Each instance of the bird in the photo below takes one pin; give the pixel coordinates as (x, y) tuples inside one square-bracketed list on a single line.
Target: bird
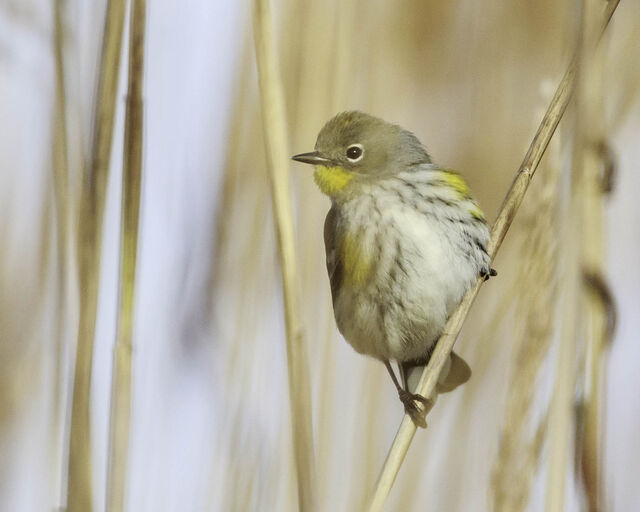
[(404, 240)]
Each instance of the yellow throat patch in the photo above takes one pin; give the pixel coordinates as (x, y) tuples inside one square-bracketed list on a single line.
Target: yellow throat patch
[(331, 180)]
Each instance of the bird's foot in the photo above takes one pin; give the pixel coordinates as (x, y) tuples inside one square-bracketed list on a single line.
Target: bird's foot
[(492, 272), (415, 411)]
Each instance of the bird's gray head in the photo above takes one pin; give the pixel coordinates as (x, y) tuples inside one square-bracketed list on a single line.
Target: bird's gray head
[(354, 147)]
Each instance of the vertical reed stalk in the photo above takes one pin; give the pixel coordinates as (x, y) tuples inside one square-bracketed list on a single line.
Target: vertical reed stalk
[(64, 251), (131, 190), (599, 333), (585, 163), (535, 303), (561, 408), (79, 485), (226, 197), (507, 211), (598, 326), (275, 133)]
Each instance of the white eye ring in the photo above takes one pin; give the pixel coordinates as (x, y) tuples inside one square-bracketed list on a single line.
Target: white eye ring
[(355, 153)]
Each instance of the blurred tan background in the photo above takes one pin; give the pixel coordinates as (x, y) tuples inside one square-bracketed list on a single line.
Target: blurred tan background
[(210, 427)]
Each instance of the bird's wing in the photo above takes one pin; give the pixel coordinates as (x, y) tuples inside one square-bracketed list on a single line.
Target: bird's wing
[(334, 263)]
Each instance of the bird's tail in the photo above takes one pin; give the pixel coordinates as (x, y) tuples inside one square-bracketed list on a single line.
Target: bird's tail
[(454, 373)]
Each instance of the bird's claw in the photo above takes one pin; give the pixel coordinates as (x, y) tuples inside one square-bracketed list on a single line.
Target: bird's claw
[(486, 274), (489, 273), (416, 412)]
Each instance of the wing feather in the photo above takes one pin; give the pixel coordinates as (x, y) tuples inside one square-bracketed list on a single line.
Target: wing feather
[(334, 262)]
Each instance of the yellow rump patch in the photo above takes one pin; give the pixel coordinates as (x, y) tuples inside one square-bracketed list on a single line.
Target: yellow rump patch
[(332, 180), (357, 263)]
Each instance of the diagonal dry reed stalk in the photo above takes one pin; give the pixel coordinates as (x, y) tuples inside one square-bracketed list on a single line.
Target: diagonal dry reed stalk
[(131, 191), (275, 133), (79, 486), (503, 221)]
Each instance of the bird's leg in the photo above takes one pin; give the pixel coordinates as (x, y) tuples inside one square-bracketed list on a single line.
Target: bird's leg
[(409, 400)]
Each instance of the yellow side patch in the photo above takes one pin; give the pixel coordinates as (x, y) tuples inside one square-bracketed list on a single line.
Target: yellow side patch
[(357, 263), (332, 180), (456, 182), (476, 212)]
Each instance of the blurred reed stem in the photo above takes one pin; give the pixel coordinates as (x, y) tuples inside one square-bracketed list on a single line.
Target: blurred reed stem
[(599, 171), (275, 133), (131, 190), (63, 255), (226, 198), (535, 303), (79, 485), (452, 328), (629, 78), (589, 100), (575, 242)]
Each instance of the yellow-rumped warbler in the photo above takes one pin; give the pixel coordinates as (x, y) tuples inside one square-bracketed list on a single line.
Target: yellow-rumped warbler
[(404, 241)]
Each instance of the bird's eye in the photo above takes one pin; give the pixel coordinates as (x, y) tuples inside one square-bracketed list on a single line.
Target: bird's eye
[(355, 152)]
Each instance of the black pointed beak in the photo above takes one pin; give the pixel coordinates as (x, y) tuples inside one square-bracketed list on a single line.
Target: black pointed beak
[(313, 158)]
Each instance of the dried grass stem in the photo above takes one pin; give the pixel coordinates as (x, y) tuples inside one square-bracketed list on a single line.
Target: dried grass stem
[(275, 133), (79, 486), (131, 191)]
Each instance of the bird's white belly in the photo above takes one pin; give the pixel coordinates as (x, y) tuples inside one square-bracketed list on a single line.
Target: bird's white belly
[(418, 276)]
